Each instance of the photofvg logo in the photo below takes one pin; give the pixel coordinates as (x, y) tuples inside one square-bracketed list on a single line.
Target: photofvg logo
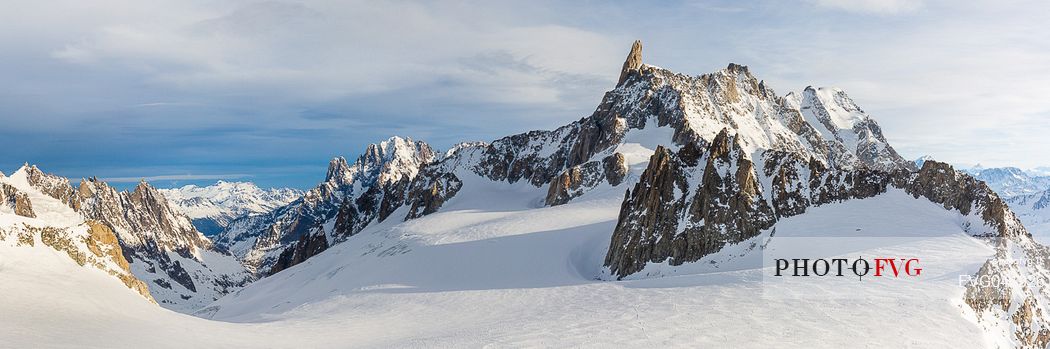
[(859, 267), (845, 267)]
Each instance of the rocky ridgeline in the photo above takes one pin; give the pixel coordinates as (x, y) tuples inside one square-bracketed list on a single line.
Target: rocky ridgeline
[(703, 192), (738, 159), (692, 203), (182, 268), (369, 189), (570, 160)]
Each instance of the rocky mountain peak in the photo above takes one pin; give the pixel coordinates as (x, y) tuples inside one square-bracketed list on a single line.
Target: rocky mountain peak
[(338, 171), (143, 188), (921, 160), (369, 189), (389, 160), (633, 62), (741, 73), (834, 97), (392, 160), (49, 184)]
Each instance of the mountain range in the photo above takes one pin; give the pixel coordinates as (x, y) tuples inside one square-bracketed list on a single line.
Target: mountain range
[(644, 218), (213, 207), (158, 245)]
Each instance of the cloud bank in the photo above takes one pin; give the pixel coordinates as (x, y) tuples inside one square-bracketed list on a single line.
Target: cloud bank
[(275, 88)]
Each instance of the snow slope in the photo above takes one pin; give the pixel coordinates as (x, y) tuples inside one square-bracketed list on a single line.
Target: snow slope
[(495, 268), (488, 263), (158, 245), (518, 275)]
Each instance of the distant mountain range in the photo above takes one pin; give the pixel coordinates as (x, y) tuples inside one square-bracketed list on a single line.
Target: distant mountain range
[(1011, 181), (213, 207)]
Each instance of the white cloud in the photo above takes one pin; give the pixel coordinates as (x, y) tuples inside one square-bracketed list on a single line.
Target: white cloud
[(247, 81), (183, 177), (872, 6), (323, 50)]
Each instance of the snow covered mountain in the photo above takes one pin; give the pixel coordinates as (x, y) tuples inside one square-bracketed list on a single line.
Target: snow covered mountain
[(921, 160), (213, 207), (1034, 210), (730, 160), (181, 267), (290, 234), (824, 124), (575, 231), (1011, 181), (40, 228), (1039, 171)]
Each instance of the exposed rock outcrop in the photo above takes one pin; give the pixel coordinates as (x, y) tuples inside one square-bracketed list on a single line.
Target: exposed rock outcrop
[(681, 211), (649, 215), (576, 180), (16, 200), (955, 190), (632, 63), (427, 196), (307, 246), (679, 214)]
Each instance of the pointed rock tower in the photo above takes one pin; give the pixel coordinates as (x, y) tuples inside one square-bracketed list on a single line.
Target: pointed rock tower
[(633, 62)]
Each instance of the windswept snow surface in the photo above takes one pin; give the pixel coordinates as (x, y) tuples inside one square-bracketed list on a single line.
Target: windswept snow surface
[(494, 267)]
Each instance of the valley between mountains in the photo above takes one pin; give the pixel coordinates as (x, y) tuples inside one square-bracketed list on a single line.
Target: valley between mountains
[(646, 223)]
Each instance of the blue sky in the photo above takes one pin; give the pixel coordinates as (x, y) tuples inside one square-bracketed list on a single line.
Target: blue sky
[(194, 91)]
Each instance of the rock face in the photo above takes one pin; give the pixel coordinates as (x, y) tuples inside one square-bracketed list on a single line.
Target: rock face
[(16, 200), (690, 204), (741, 158), (576, 180), (633, 61), (87, 244), (307, 246), (161, 246), (955, 190)]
